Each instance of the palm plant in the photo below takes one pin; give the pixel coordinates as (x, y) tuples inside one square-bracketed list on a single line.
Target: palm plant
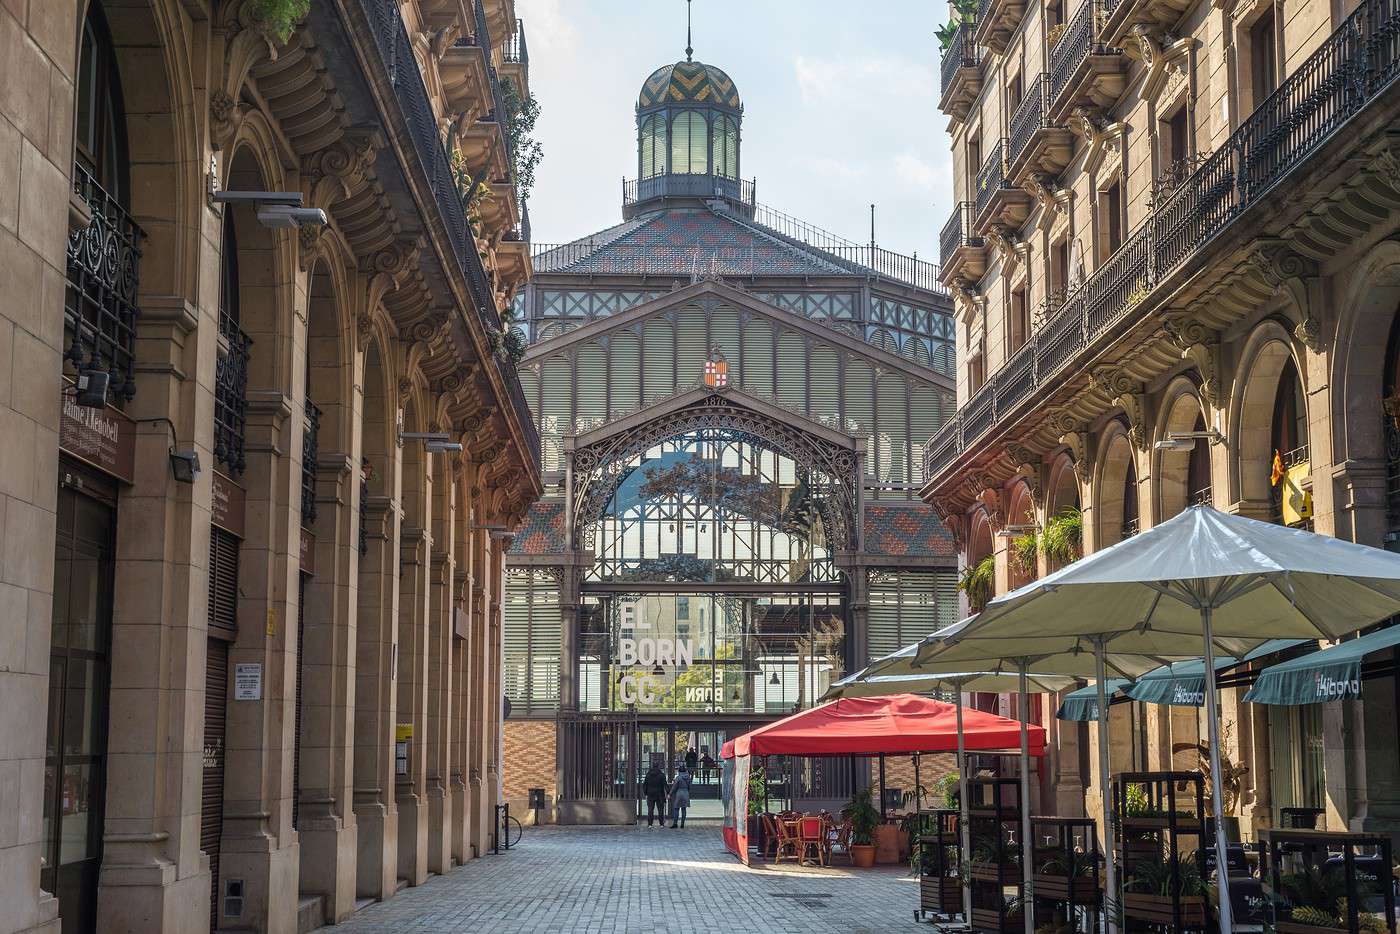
[(860, 811), (978, 581)]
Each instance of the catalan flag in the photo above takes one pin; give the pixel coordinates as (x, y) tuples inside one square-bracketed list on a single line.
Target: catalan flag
[(1277, 473)]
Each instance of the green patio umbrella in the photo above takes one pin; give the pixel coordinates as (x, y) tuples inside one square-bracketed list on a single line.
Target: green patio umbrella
[(1183, 684), (1231, 582), (1326, 675), (1083, 705)]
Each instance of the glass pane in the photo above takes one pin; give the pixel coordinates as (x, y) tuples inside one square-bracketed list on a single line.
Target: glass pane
[(84, 604), (1311, 762), (699, 164), (81, 709), (79, 838), (62, 580), (56, 672), (680, 144), (46, 852)]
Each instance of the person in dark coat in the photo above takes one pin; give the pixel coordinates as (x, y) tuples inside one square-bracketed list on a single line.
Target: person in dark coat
[(654, 787), (680, 797), (691, 761)]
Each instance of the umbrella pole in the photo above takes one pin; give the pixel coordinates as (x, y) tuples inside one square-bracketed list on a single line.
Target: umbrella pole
[(882, 787), (1217, 797), (918, 791), (1110, 900), (1027, 894), (965, 854)]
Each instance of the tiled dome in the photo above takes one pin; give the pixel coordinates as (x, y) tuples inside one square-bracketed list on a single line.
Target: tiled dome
[(689, 82)]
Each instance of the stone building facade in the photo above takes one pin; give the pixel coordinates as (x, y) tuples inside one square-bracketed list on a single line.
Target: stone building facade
[(1174, 258), (250, 637)]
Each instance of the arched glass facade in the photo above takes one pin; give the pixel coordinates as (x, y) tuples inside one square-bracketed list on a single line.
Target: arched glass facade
[(689, 140)]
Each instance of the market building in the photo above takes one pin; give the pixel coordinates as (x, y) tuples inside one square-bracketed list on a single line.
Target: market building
[(1174, 262), (732, 406), (261, 453)]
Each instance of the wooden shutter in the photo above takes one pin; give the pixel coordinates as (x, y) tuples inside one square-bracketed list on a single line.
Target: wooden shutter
[(223, 582)]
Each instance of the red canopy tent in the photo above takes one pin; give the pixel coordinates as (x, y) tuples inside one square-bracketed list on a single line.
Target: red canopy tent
[(898, 724)]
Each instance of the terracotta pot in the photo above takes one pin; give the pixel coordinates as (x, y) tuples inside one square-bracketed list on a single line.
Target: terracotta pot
[(862, 855)]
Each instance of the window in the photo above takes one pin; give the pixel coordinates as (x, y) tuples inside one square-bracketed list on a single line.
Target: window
[(725, 147), (652, 147), (1263, 56), (1111, 206), (689, 141), (1177, 134), (1018, 321), (974, 164), (1059, 267), (99, 138), (977, 367), (1013, 94)]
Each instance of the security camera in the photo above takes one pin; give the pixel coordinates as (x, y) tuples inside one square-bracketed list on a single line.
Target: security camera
[(283, 216)]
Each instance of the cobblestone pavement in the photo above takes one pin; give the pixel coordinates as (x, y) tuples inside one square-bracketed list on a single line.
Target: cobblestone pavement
[(611, 880)]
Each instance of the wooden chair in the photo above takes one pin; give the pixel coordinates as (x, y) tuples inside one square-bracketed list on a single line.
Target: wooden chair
[(841, 843), (787, 843), (770, 835), (812, 835)]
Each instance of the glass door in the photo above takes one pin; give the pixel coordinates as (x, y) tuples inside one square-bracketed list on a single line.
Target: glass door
[(74, 774)]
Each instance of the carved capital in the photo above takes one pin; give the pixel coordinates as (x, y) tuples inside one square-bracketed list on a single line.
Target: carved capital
[(1127, 394), (1085, 123), (1274, 262), (1201, 345), (1309, 333), (364, 330), (1044, 190), (1005, 241)]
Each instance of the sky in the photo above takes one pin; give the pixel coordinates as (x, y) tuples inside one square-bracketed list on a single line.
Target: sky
[(840, 108)]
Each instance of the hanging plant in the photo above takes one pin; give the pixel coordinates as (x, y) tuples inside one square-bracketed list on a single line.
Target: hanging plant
[(1025, 551), (524, 150), (978, 582), (279, 17), (1063, 536)]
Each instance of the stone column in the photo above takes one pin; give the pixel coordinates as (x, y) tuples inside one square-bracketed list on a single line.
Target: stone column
[(259, 845), (376, 694), (410, 790), (439, 671), (480, 828), (494, 666), (326, 825)]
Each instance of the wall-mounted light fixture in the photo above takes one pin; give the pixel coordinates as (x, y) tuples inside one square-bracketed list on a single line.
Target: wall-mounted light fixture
[(183, 464), (277, 210), (434, 442), (1186, 440), (1022, 528)]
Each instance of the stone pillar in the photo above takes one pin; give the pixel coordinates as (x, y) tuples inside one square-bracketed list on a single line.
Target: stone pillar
[(259, 845), (439, 671), (495, 668), (376, 694), (326, 824), (478, 803), (410, 790)]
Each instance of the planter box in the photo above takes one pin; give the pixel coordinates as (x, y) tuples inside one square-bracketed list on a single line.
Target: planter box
[(888, 839), (940, 894), (987, 919), (1293, 927), (1183, 824), (1058, 887), (996, 872), (1158, 908)]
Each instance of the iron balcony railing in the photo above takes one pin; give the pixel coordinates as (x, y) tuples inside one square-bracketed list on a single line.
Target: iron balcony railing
[(956, 233), (1202, 497), (961, 53), (514, 49), (1074, 46), (231, 397), (396, 53), (1028, 119), (635, 190), (991, 178), (1351, 67), (99, 309), (309, 451)]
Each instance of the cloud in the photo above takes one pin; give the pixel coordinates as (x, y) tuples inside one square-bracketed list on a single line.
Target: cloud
[(843, 80), (547, 26), (919, 172)]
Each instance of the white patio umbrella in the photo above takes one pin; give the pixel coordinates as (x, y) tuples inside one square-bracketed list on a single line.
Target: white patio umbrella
[(1019, 679), (1231, 582)]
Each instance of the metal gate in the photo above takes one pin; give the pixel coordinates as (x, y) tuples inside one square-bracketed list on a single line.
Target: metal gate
[(211, 815), (598, 759)]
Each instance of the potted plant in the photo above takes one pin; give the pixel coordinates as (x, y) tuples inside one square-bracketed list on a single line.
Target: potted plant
[(758, 805), (860, 811), (1151, 889)]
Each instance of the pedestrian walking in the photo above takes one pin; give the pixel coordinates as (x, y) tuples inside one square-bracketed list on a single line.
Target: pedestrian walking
[(654, 787), (680, 796)]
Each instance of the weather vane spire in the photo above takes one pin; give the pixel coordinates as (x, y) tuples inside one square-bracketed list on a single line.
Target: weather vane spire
[(688, 50)]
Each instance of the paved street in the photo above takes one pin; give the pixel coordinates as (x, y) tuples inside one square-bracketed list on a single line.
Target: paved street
[(604, 879)]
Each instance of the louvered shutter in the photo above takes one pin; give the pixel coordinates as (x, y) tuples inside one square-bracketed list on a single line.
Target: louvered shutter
[(592, 405), (223, 582), (692, 349), (556, 402), (792, 370), (903, 609), (891, 420), (724, 334), (757, 363), (924, 422), (860, 404), (211, 811), (826, 387), (624, 372), (659, 359)]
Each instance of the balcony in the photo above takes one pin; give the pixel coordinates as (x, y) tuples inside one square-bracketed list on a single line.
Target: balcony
[(309, 450), (1084, 71), (962, 255), (1351, 69), (99, 308), (400, 65), (1035, 146), (962, 76), (640, 191), (998, 202), (1118, 18), (515, 61), (997, 21)]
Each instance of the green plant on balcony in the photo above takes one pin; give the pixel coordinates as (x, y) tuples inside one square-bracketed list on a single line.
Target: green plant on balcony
[(1155, 877), (279, 17), (977, 582), (964, 14), (1053, 34), (1025, 551), (1063, 535), (524, 150)]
